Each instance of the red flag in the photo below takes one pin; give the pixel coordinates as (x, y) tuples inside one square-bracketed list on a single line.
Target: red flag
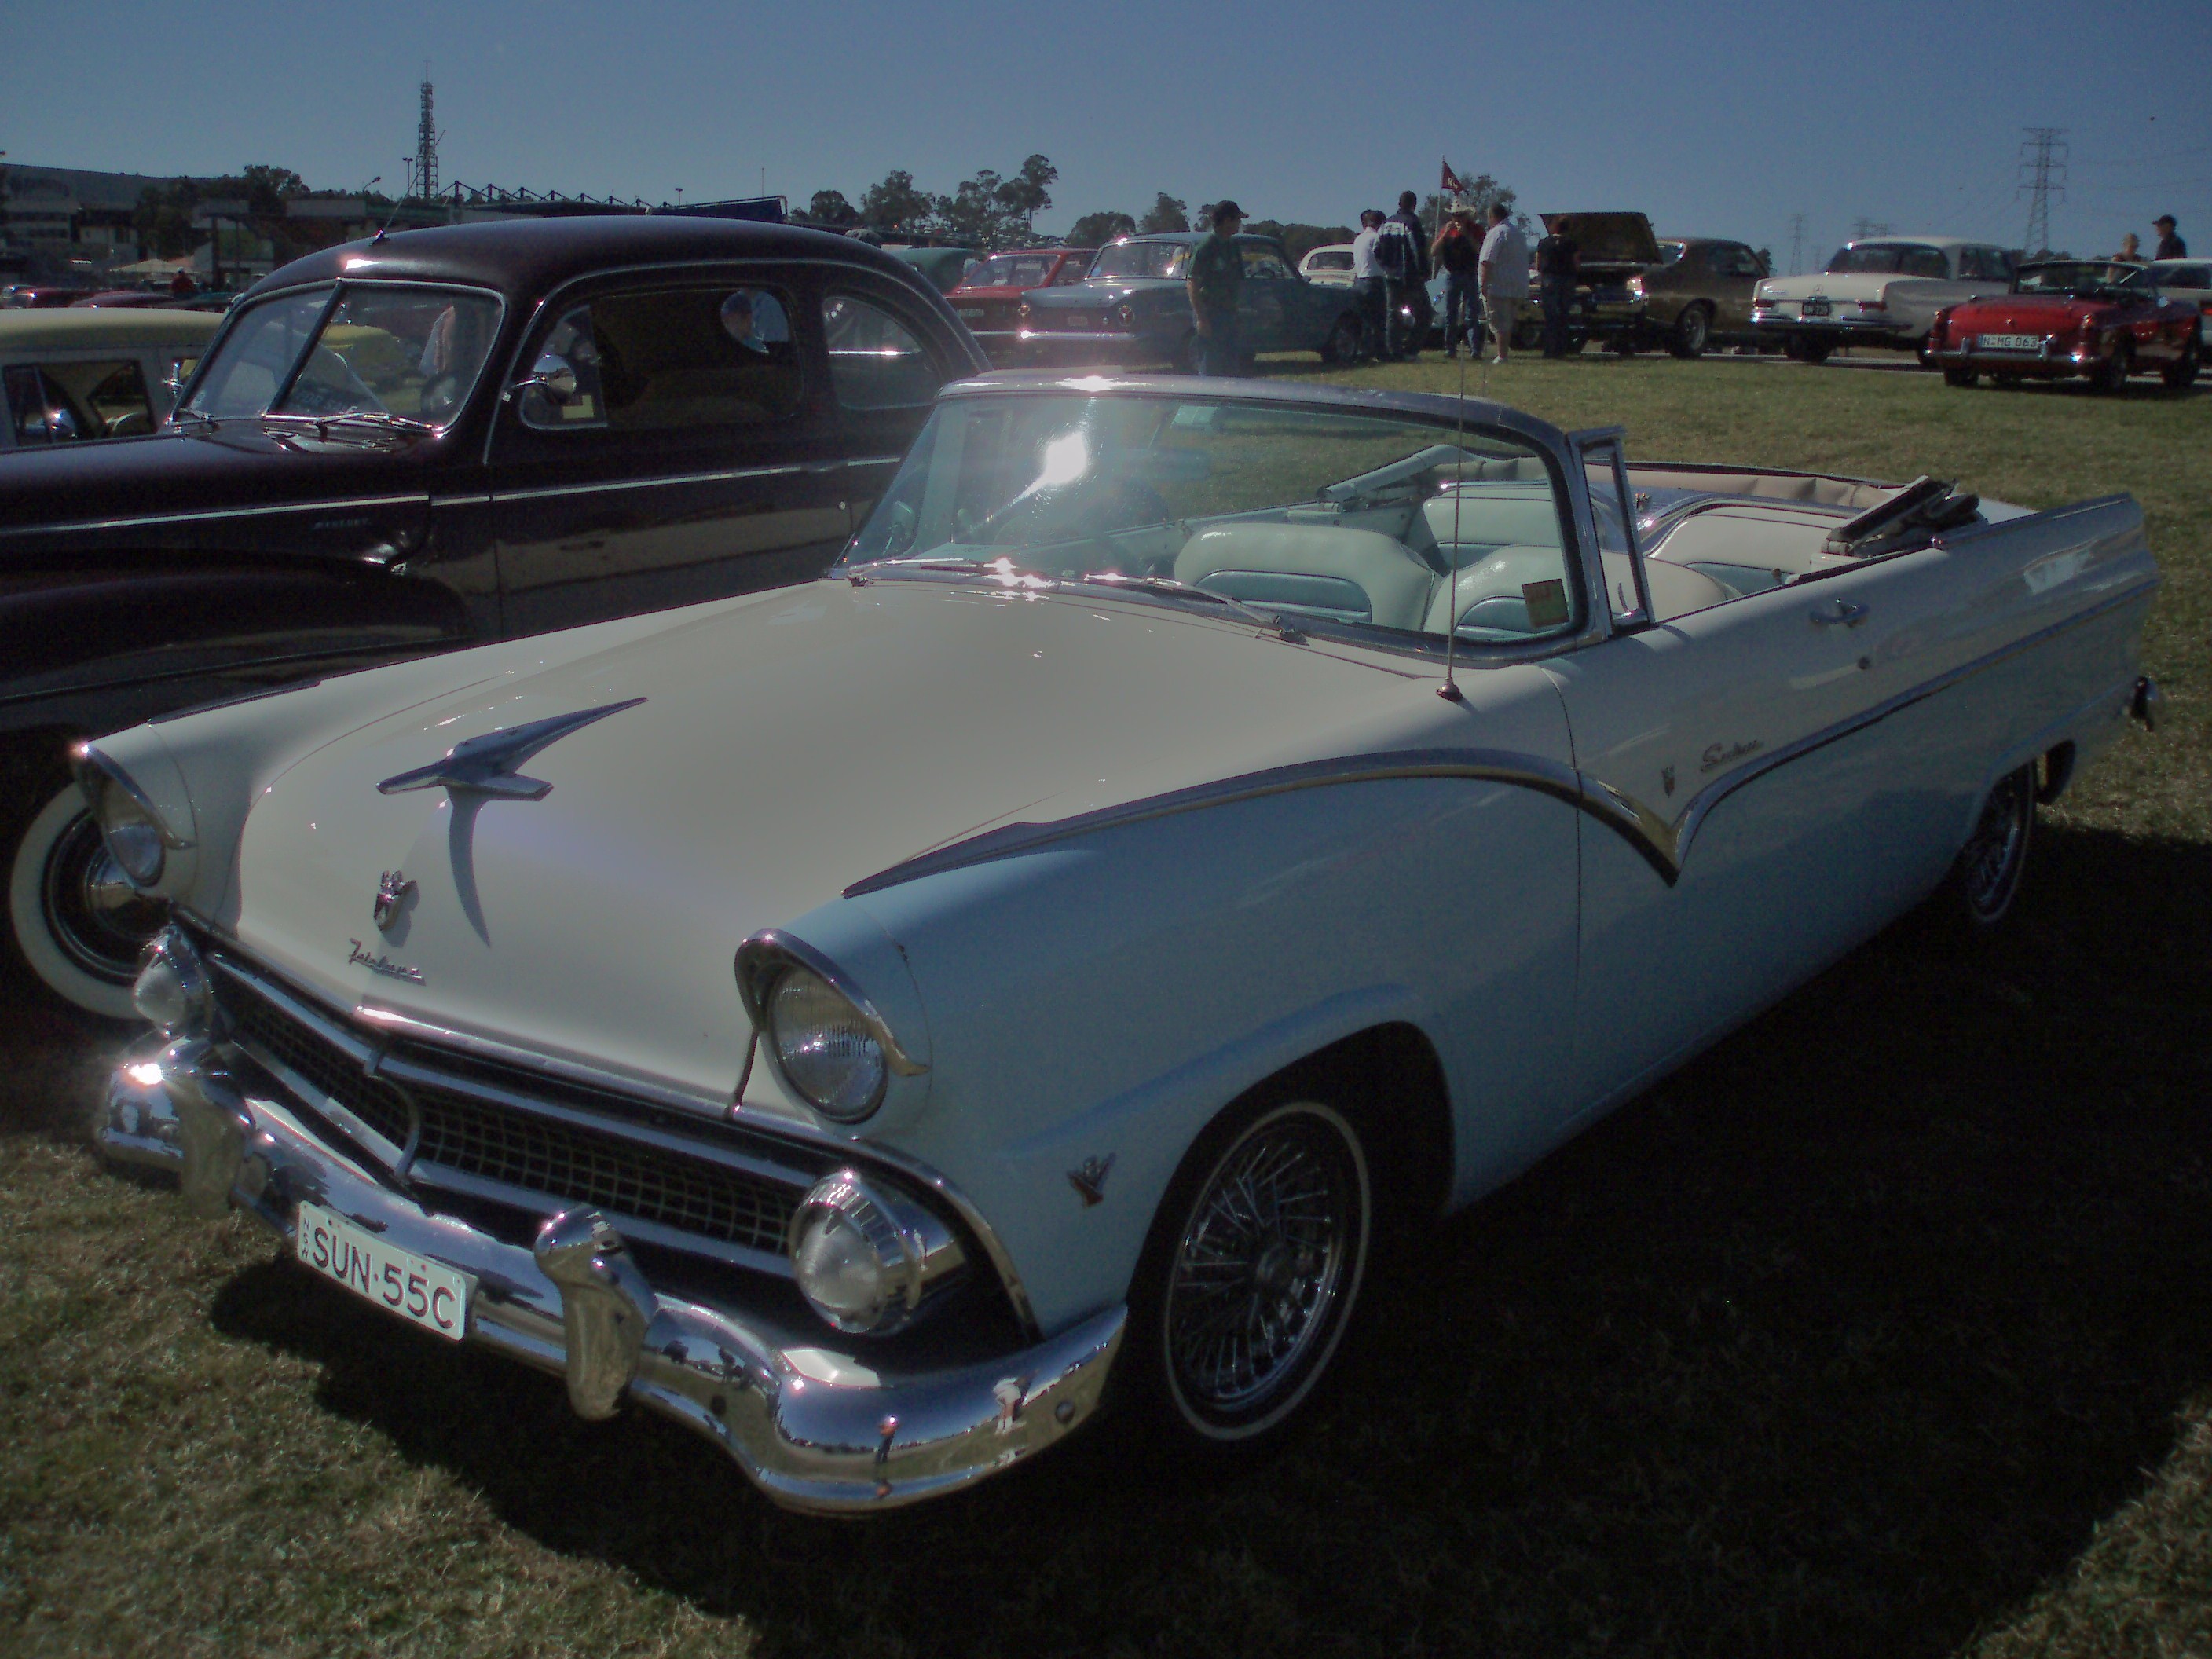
[(1451, 185)]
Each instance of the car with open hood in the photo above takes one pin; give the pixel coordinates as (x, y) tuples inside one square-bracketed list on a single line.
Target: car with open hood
[(1882, 291), (885, 1023), (2071, 319), (989, 297), (1134, 309), (1613, 250), (427, 440)]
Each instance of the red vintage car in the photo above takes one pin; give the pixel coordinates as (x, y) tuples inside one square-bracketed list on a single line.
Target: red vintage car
[(986, 300), (2068, 317)]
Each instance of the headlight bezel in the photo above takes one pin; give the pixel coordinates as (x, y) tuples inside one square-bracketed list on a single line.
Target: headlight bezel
[(119, 807), (916, 1256), (762, 963)]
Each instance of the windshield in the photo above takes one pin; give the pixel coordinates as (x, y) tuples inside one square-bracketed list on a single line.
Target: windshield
[(2081, 276), (1011, 270), (1670, 252), (1141, 259), (407, 352), (1317, 514), (1889, 258)]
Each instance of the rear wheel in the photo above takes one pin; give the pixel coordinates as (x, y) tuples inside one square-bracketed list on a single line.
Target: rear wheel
[(1960, 377), (74, 925), (1249, 1280), (2184, 373), (1991, 865), (1808, 348), (1693, 331), (2111, 375)]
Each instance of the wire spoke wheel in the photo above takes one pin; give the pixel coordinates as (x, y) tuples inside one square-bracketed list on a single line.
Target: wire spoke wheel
[(1992, 862), (1264, 1270)]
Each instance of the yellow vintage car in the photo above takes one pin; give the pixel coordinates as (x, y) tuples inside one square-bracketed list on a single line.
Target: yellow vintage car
[(71, 374)]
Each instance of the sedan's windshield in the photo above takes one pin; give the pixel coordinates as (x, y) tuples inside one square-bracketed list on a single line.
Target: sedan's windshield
[(1011, 270), (1315, 513), (405, 353), (1141, 259), (1889, 258)]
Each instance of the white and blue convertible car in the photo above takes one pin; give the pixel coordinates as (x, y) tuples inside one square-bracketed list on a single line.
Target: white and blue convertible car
[(884, 1022)]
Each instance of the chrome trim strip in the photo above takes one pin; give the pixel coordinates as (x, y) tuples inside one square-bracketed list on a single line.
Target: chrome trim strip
[(421, 499), (1663, 844), (757, 959), (566, 1071), (649, 483)]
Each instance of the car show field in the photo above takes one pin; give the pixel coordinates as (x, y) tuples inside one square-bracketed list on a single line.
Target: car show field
[(1883, 1327)]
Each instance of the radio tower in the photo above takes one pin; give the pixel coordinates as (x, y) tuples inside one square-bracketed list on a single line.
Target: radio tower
[(426, 145), (2042, 168)]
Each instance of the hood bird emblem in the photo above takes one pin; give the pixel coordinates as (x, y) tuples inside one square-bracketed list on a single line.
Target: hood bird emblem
[(392, 887), (1090, 1179), (485, 765)]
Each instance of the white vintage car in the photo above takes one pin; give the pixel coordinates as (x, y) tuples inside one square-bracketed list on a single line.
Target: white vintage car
[(1885, 291), (875, 1022)]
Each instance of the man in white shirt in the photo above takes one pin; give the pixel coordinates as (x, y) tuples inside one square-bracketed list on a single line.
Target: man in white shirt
[(1503, 272), (1367, 286)]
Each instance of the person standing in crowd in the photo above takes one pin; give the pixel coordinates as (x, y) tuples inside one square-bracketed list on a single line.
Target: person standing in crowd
[(1216, 284), (1559, 262), (1456, 251), (2130, 250), (1404, 256), (1504, 274), (2170, 246), (1367, 285)]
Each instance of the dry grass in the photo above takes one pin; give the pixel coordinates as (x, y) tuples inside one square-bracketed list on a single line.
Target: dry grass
[(1885, 1328)]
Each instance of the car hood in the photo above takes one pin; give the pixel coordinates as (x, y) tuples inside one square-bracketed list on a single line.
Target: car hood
[(787, 746), (1609, 238), (179, 469)]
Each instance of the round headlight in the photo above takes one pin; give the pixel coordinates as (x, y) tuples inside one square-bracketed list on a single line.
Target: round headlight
[(173, 990), (136, 837), (823, 1045), (865, 1261)]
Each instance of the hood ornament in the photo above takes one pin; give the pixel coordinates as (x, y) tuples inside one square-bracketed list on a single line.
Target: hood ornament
[(485, 765), (392, 887)]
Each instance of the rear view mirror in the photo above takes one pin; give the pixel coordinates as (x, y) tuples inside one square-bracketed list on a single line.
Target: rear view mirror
[(553, 378)]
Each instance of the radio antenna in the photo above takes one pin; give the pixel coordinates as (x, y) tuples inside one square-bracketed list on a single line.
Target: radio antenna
[(1449, 690), (405, 191)]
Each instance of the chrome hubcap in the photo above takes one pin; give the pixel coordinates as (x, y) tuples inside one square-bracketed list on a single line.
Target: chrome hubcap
[(1262, 1264), (91, 911), (1991, 859)]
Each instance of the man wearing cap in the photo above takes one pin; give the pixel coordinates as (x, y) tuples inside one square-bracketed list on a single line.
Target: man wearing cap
[(2170, 246), (1216, 284)]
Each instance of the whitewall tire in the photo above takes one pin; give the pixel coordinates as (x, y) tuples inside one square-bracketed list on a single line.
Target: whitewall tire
[(73, 920)]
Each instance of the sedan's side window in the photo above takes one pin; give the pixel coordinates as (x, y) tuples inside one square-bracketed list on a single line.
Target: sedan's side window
[(875, 361), (51, 405), (668, 359)]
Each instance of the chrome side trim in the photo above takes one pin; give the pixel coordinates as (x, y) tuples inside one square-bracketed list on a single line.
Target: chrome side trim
[(1662, 843), (145, 518), (611, 485)]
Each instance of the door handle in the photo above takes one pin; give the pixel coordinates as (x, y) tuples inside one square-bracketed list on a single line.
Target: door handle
[(1840, 613)]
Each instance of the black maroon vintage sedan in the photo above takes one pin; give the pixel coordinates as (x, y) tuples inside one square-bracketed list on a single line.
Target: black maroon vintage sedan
[(433, 439)]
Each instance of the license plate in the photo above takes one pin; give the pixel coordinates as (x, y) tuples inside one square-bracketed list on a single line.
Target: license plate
[(422, 1292), (1079, 321), (1814, 308), (967, 316), (2012, 343)]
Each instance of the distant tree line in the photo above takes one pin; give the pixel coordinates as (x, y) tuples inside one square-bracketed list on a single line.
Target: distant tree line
[(987, 211)]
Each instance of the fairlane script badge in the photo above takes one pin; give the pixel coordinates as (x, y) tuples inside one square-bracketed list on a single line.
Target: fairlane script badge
[(392, 887), (381, 965)]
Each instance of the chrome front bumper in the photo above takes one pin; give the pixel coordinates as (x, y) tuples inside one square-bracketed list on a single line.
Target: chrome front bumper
[(816, 1427)]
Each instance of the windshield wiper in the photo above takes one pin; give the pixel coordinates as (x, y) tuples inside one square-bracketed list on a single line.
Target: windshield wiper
[(1168, 588), (377, 418), (182, 412)]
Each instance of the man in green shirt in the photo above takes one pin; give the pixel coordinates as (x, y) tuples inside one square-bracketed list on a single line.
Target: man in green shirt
[(1216, 283)]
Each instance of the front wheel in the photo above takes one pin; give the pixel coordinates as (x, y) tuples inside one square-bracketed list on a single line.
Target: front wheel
[(1342, 344), (76, 924), (1693, 331), (1256, 1259), (1961, 377), (2111, 375)]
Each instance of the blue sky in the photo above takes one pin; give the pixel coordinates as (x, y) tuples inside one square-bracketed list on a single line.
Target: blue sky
[(1722, 119)]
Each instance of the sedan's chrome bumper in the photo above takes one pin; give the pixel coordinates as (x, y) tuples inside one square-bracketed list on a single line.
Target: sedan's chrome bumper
[(818, 1429)]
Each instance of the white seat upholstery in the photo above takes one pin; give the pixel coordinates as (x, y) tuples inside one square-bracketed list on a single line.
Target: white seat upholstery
[(1488, 521), (1319, 568), (1492, 591), (1675, 591)]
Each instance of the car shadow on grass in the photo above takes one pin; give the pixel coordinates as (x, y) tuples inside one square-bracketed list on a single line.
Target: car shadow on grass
[(1841, 1341)]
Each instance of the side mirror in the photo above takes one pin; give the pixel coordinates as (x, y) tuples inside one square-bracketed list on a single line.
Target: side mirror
[(553, 378)]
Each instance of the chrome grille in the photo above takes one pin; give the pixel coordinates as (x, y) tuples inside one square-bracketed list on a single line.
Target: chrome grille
[(542, 1155), (321, 1063)]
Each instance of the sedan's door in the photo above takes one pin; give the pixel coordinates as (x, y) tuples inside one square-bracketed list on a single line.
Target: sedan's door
[(1764, 827), (1736, 273), (677, 443), (1270, 314)]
